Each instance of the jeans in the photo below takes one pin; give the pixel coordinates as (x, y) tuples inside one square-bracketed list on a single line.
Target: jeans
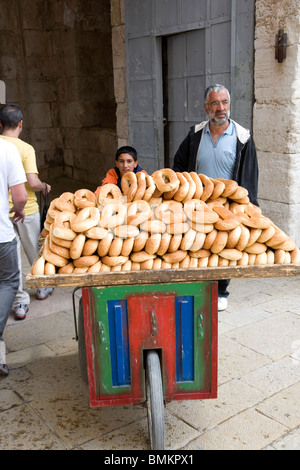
[(222, 288), (9, 280)]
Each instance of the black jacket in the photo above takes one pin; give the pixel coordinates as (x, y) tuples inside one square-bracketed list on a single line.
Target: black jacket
[(246, 166)]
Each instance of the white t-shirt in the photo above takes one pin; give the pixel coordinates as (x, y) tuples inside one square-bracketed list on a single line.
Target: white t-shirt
[(11, 174)]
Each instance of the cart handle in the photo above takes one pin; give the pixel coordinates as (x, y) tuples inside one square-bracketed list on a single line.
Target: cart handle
[(74, 312)]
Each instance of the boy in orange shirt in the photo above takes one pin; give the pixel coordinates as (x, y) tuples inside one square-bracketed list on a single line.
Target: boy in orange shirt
[(126, 160)]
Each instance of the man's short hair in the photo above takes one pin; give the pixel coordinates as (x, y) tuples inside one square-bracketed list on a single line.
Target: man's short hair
[(10, 116), (216, 88), (126, 149)]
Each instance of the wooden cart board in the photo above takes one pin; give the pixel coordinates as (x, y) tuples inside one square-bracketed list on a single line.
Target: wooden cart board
[(162, 276)]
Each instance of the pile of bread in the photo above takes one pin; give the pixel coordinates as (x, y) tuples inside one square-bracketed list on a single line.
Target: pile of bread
[(159, 221)]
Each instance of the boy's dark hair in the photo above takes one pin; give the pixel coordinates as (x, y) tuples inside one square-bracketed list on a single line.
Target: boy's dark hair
[(126, 149), (10, 116)]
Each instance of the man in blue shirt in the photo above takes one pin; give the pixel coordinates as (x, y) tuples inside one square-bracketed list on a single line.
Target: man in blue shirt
[(220, 148)]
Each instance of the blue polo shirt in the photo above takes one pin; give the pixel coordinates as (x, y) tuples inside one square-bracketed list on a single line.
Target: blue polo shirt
[(217, 160)]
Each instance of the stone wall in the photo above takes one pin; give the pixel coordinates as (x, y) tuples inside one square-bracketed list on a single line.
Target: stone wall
[(56, 62), (276, 116)]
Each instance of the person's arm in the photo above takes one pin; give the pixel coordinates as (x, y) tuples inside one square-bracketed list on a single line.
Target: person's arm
[(36, 184), (19, 199)]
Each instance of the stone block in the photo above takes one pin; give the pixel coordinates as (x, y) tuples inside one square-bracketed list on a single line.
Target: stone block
[(39, 115)]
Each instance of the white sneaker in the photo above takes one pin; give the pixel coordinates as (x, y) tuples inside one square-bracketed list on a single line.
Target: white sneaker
[(43, 294), (222, 303)]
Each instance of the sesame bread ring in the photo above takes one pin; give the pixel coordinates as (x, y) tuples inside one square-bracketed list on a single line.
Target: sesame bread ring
[(66, 202), (244, 261), (223, 262), (200, 253), (175, 243), (270, 257), (279, 257), (81, 270), (266, 234), (38, 267), (59, 250), (126, 231), (188, 239), (126, 266), (287, 245), (213, 260), (127, 247), (84, 198), (198, 212), (231, 254), (140, 241), (208, 186), (67, 269), (198, 242), (251, 217), (203, 228), (244, 238), (193, 263), (256, 248), (261, 259), (192, 187), (85, 261), (227, 220), (203, 262), (174, 257), (129, 185), (254, 235), (165, 180), (198, 183), (96, 233), (278, 237), (115, 247), (135, 266), (85, 219), (153, 226), (104, 268), (95, 268), (150, 188), (239, 194), (165, 265), (141, 186), (53, 258), (53, 211), (234, 236), (147, 265), (138, 212), (107, 193), (219, 188), (153, 243), (177, 228), (141, 256), (184, 263), (114, 260), (50, 268), (104, 244), (60, 228), (113, 214), (295, 256), (157, 262), (220, 242), (230, 186), (209, 239), (77, 246), (59, 241), (90, 247), (164, 243), (179, 193), (170, 212)]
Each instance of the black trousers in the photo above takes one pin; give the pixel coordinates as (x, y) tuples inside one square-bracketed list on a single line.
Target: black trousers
[(222, 288)]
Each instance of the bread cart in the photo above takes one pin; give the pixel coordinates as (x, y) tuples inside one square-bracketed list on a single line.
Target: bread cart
[(150, 336)]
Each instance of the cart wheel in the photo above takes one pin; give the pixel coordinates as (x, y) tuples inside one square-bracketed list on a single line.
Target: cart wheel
[(155, 401), (81, 345)]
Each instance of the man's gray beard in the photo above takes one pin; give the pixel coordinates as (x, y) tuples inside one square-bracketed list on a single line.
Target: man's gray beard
[(221, 122)]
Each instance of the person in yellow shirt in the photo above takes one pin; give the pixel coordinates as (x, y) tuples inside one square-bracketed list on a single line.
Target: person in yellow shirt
[(27, 233)]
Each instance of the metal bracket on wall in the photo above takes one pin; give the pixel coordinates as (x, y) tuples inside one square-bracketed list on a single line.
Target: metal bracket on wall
[(280, 45)]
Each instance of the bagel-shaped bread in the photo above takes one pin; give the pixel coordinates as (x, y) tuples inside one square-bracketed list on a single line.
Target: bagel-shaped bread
[(108, 192), (230, 186), (188, 239), (58, 249), (203, 228), (278, 237), (95, 268), (203, 262), (66, 202), (256, 248), (138, 212), (233, 237), (90, 247), (209, 239), (126, 266), (170, 212), (96, 233), (127, 246), (85, 219), (279, 257), (38, 267), (251, 217), (153, 226), (113, 214), (200, 254), (213, 260), (84, 198), (219, 188), (115, 247), (53, 258), (198, 212), (175, 257), (60, 229), (129, 185), (141, 186), (295, 256), (287, 245), (135, 266), (227, 220), (192, 187), (140, 241), (85, 261), (177, 228), (220, 242), (126, 231), (270, 257), (59, 241), (157, 262), (244, 260), (184, 263), (223, 262), (208, 187), (114, 260), (80, 270), (254, 235), (153, 243), (164, 243), (266, 234), (199, 185), (150, 188), (67, 269), (231, 254), (261, 258), (175, 243), (198, 242), (104, 244), (53, 211), (77, 246), (165, 180), (179, 193), (147, 265), (141, 256), (49, 269), (244, 238), (239, 194)]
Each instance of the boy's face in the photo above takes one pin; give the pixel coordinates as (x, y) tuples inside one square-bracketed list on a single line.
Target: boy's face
[(126, 163)]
